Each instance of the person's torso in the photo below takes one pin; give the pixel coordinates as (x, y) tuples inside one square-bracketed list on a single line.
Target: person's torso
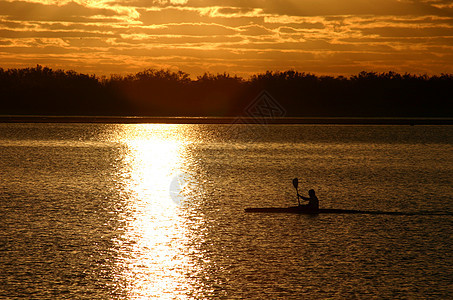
[(313, 203)]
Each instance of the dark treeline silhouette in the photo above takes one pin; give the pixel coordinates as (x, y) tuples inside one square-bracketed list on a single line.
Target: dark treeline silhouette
[(43, 91)]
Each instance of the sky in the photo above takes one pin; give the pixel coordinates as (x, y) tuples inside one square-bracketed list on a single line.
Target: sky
[(242, 37)]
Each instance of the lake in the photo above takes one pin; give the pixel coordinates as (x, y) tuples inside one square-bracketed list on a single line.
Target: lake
[(143, 211)]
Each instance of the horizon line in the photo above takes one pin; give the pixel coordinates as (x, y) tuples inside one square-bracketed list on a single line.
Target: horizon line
[(226, 120), (228, 74)]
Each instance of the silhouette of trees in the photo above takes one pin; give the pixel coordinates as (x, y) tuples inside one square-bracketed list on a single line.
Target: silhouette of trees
[(43, 91)]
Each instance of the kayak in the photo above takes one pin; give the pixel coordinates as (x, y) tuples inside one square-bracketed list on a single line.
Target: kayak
[(303, 210)]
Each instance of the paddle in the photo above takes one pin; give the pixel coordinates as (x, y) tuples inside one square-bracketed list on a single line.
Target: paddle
[(296, 184)]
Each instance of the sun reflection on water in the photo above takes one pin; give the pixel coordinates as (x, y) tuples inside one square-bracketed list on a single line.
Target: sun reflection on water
[(155, 244)]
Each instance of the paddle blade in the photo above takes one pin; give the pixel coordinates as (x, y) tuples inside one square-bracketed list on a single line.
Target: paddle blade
[(295, 183)]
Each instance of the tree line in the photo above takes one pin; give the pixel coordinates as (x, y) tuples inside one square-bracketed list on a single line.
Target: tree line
[(43, 91)]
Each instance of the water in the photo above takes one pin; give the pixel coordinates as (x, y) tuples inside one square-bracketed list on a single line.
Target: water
[(89, 211)]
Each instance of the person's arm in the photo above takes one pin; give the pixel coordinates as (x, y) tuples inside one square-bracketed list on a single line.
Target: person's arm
[(304, 198)]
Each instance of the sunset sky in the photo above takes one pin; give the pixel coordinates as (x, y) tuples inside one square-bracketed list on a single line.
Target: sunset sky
[(235, 36)]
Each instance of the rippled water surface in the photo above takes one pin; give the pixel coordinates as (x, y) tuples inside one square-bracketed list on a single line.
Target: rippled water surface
[(157, 211)]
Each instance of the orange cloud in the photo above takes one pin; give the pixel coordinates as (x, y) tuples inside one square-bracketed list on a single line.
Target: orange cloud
[(242, 37)]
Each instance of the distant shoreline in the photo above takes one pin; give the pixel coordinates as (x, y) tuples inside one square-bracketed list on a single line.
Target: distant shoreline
[(41, 91), (225, 120)]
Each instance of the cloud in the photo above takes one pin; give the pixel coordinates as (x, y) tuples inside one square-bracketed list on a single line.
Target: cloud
[(330, 7), (241, 36), (71, 12), (255, 30), (405, 32), (185, 29)]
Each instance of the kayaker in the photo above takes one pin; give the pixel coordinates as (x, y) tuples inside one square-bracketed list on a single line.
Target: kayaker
[(313, 202)]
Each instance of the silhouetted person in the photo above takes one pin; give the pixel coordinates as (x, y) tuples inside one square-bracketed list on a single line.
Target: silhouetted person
[(313, 202)]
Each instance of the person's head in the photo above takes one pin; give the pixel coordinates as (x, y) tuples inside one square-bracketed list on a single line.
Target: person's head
[(311, 193)]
